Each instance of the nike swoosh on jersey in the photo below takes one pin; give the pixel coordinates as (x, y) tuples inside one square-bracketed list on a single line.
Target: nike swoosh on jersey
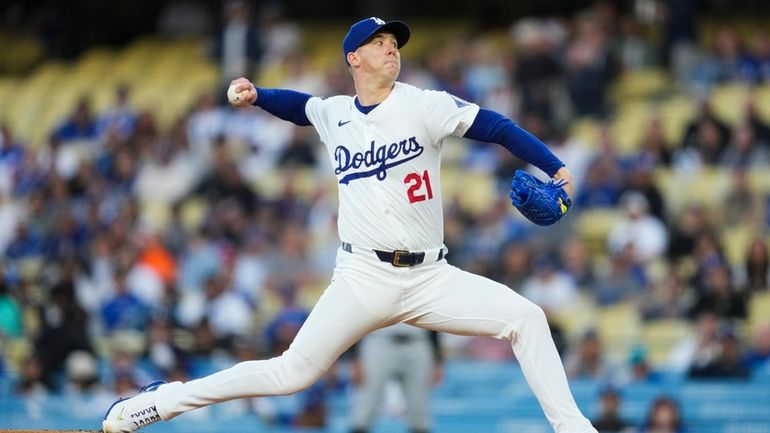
[(341, 123)]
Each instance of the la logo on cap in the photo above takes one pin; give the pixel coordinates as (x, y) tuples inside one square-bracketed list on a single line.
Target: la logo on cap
[(379, 21)]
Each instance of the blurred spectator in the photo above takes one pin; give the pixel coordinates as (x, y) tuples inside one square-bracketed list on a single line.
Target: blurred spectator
[(81, 126), (537, 68), (744, 152), (200, 260), (206, 124), (11, 325), (10, 214), (162, 351), (638, 229), (680, 43), (723, 63), (31, 381), (670, 298), (280, 35), (604, 175), (654, 149), (758, 125), (587, 360), (123, 310), (251, 270), (184, 19), (640, 369), (576, 260), (698, 348), (227, 312), (299, 152), (623, 281), (728, 364), (237, 45), (298, 75), (225, 183), (82, 372), (757, 357), (610, 418), (741, 205), (719, 296), (12, 155), (64, 329), (549, 287), (707, 255), (168, 175), (640, 178), (152, 268), (754, 273), (690, 224), (663, 417), (493, 228), (754, 67), (590, 67), (289, 263), (634, 50), (515, 265), (705, 139), (120, 118)]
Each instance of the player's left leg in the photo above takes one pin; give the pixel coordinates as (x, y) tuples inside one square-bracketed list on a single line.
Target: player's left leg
[(459, 302)]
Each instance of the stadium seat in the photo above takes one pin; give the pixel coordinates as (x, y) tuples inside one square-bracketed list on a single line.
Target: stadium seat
[(593, 227), (659, 336), (618, 327), (640, 84), (729, 102), (675, 113), (759, 310)]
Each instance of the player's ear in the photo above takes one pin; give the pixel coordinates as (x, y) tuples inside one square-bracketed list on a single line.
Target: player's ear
[(353, 58)]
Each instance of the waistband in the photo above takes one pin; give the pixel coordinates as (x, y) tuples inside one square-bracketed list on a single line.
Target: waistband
[(401, 258)]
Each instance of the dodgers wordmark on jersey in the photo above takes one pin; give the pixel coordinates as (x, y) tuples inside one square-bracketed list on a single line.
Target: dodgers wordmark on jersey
[(387, 164)]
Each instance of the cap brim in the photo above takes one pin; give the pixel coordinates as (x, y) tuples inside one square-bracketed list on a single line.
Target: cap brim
[(399, 29)]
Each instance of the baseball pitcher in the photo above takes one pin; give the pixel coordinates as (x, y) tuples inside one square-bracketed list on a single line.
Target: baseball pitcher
[(385, 146)]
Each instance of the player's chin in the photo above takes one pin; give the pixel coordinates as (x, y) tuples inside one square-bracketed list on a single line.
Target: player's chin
[(393, 69)]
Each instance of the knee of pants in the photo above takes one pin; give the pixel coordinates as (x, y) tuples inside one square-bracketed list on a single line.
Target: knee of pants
[(535, 316)]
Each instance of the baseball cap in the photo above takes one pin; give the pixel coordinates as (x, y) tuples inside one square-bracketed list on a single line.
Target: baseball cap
[(361, 31)]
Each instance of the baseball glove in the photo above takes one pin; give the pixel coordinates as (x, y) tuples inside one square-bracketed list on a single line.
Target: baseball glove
[(542, 203)]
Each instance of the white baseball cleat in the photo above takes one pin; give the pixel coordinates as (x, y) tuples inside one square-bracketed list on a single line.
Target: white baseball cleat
[(128, 415)]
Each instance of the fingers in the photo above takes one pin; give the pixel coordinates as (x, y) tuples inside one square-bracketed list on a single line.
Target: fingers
[(564, 174)]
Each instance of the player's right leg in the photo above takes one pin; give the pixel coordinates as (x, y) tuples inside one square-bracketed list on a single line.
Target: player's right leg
[(341, 317)]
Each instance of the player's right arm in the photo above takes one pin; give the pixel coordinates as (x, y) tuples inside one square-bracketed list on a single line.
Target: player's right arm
[(285, 104)]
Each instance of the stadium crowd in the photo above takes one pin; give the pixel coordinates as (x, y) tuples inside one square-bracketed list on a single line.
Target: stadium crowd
[(98, 297)]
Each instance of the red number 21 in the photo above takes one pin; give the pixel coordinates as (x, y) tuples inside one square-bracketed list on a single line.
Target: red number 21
[(415, 182)]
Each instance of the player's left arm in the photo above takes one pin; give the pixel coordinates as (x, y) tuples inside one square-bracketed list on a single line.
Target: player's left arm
[(493, 127)]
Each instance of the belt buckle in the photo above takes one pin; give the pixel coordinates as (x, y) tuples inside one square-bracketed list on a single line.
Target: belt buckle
[(396, 260)]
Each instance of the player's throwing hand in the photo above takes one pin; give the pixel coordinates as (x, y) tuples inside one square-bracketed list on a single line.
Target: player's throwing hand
[(247, 93)]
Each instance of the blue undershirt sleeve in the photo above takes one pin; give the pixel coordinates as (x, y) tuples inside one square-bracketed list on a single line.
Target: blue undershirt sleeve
[(284, 104), (494, 127)]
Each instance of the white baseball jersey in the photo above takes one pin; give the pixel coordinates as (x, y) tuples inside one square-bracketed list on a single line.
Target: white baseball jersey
[(387, 163)]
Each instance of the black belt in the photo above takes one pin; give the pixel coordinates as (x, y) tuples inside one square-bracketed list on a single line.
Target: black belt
[(398, 258)]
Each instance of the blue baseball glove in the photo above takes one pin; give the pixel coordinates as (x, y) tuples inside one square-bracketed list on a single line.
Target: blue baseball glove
[(542, 203)]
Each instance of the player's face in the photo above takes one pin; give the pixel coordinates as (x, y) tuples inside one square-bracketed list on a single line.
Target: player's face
[(381, 55)]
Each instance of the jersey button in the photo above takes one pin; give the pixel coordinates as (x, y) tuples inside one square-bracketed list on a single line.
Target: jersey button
[(387, 212)]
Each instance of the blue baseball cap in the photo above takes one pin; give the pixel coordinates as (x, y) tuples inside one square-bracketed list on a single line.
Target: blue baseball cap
[(361, 31)]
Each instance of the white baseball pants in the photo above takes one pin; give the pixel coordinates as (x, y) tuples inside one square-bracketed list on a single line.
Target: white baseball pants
[(366, 294)]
